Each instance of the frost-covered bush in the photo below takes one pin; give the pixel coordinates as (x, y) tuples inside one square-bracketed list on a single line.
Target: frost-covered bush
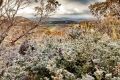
[(79, 57)]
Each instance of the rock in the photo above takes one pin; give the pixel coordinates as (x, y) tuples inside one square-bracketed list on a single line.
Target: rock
[(96, 61), (105, 38), (115, 78), (1, 72), (26, 48), (23, 48), (23, 78), (109, 76), (87, 77)]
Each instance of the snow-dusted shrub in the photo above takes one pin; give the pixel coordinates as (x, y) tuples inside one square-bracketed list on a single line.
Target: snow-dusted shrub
[(82, 57)]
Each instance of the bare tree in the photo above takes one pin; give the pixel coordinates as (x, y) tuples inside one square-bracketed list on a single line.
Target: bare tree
[(44, 9), (8, 12)]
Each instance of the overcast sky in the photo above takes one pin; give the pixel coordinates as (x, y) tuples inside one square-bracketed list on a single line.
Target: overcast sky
[(68, 9)]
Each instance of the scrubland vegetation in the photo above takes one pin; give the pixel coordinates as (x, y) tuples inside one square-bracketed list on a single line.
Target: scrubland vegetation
[(86, 51)]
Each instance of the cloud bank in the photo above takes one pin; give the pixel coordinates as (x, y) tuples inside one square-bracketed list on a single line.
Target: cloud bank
[(75, 8), (69, 8)]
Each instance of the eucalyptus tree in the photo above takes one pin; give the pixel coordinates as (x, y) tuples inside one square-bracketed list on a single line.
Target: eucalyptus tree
[(43, 10), (105, 9), (8, 11)]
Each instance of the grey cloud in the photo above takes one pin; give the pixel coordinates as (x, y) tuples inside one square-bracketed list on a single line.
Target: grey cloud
[(80, 1), (85, 12), (73, 7)]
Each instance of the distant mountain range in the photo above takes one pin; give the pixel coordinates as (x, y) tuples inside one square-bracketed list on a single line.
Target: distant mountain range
[(61, 20)]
